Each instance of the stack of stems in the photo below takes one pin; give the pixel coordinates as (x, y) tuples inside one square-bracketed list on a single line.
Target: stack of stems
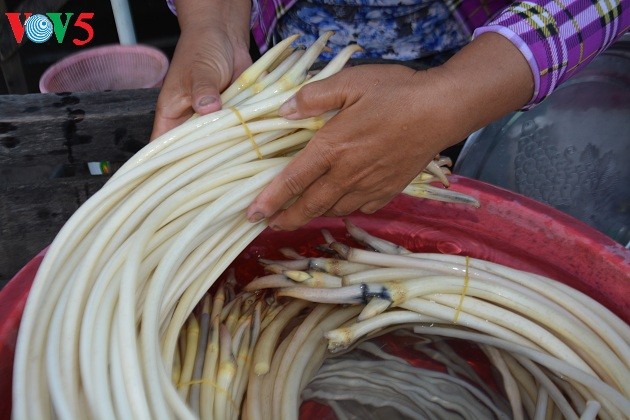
[(546, 327), (99, 330)]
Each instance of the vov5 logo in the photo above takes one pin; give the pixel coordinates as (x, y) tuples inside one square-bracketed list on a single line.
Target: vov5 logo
[(40, 28)]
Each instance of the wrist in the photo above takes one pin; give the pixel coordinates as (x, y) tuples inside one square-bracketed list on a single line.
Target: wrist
[(486, 80), (231, 17)]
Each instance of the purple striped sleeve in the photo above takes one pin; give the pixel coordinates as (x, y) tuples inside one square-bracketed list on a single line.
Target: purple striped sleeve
[(171, 6), (265, 15), (559, 37)]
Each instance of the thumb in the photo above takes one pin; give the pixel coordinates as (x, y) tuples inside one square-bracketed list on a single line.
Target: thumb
[(206, 83), (316, 98)]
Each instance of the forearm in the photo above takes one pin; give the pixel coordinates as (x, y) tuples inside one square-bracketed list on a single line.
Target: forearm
[(229, 15), (484, 81)]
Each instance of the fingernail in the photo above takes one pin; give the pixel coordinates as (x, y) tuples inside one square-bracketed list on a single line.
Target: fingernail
[(293, 116), (256, 217), (274, 227), (207, 100), (289, 108)]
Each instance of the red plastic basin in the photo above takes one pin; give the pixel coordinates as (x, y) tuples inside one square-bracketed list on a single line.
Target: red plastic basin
[(508, 228)]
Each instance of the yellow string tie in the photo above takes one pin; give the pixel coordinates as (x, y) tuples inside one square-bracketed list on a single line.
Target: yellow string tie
[(464, 290), (248, 132), (213, 385)]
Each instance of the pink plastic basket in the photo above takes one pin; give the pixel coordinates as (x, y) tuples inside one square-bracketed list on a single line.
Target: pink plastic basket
[(110, 67)]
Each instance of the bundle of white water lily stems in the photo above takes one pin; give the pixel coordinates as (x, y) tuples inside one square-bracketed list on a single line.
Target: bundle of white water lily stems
[(122, 320)]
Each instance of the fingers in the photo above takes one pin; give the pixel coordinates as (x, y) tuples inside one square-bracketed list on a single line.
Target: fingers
[(367, 203), (216, 67), (203, 65), (374, 206), (189, 87), (317, 98), (205, 83), (242, 61), (314, 202), (172, 109), (163, 125), (307, 166), (326, 197), (314, 187)]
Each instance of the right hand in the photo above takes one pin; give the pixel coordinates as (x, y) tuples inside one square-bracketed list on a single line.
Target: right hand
[(207, 60), (391, 122)]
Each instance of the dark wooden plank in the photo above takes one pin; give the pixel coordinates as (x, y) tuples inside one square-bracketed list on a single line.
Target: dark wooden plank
[(32, 215), (13, 74), (53, 129), (46, 141)]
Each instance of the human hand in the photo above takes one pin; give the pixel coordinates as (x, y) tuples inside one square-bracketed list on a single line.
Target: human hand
[(212, 51), (392, 122), (384, 135)]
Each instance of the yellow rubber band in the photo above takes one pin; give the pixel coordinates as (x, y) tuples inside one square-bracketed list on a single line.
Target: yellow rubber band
[(464, 290), (213, 385), (248, 132)]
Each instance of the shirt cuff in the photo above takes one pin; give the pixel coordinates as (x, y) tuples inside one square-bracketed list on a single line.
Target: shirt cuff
[(171, 6), (522, 46)]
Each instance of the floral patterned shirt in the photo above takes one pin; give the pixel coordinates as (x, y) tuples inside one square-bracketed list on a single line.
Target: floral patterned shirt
[(388, 29), (557, 37)]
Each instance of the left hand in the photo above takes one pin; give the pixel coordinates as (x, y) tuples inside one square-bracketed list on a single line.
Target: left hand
[(212, 51)]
